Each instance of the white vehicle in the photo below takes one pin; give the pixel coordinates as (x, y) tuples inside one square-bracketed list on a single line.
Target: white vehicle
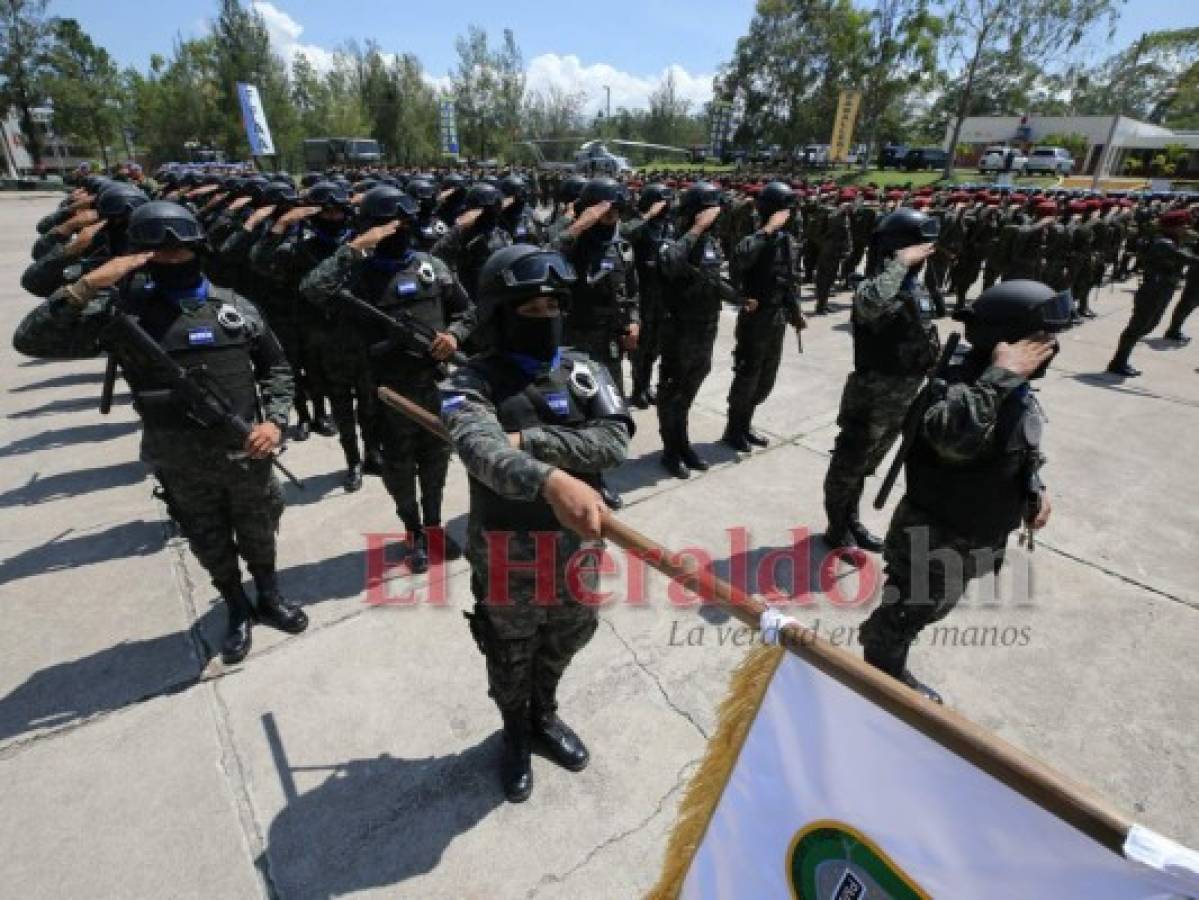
[(1002, 159), (1049, 161)]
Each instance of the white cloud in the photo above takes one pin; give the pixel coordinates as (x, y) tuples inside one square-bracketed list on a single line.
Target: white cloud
[(628, 90), (567, 72), (285, 34)]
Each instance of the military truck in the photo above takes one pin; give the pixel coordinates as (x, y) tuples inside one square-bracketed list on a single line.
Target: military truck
[(322, 153)]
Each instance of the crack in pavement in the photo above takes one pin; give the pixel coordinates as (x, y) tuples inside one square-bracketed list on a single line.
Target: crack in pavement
[(547, 880), (656, 680)]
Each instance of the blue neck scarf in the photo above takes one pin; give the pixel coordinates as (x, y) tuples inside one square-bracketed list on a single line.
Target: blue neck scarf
[(533, 367)]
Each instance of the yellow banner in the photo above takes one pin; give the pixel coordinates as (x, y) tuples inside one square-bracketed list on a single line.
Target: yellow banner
[(843, 123)]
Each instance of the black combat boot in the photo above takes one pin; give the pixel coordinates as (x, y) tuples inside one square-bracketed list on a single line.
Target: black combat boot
[(516, 769), (687, 453), (863, 537), (273, 608), (639, 398), (734, 434), (893, 659), (756, 438), (236, 644), (1177, 337), (673, 463), (1120, 364), (559, 740), (418, 554), (353, 480), (302, 430)]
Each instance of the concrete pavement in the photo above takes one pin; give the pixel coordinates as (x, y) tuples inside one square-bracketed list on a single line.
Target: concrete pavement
[(357, 758)]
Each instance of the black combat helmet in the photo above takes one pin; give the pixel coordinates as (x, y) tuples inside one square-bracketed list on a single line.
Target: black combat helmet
[(383, 203), (515, 187), (424, 191), (482, 195), (773, 197), (906, 227), (655, 193), (278, 194), (119, 200), (570, 188), (602, 190), (162, 224), (328, 195), (1013, 310), (700, 196), (518, 273)]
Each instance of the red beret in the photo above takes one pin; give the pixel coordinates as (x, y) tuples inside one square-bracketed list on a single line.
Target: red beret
[(1078, 206), (1019, 198), (924, 192), (753, 189), (1045, 208), (894, 195), (848, 194), (870, 194), (1094, 205), (919, 202), (1175, 218), (959, 197)]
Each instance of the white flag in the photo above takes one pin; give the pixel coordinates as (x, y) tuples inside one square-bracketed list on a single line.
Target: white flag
[(834, 798)]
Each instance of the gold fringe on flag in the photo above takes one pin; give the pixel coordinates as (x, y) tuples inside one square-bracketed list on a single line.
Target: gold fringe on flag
[(747, 688)]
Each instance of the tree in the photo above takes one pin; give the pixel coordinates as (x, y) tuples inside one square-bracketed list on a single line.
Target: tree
[(791, 66), (555, 113), (902, 54), (84, 87), (1027, 32), (24, 36), (1149, 80)]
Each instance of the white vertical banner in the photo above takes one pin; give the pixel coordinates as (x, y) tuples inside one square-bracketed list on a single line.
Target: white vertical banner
[(834, 798), (449, 128), (253, 116)]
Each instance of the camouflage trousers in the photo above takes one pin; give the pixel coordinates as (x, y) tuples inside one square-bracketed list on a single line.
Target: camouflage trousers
[(528, 646), (921, 588), (649, 341), (302, 344), (686, 362), (1185, 306), (1149, 305), (936, 271), (351, 395), (411, 455), (873, 407), (963, 275), (827, 267), (756, 358), (225, 511)]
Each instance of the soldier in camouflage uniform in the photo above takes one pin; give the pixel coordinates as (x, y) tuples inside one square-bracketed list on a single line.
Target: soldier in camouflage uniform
[(222, 493), (1028, 244), (969, 263), (768, 262), (1163, 262), (862, 222), (815, 217), (646, 233), (429, 228), (894, 348), (835, 245), (534, 424), (83, 241), (1187, 302), (691, 296), (1082, 257), (989, 243), (422, 287), (972, 471), (516, 217), (475, 235), (603, 319), (293, 246)]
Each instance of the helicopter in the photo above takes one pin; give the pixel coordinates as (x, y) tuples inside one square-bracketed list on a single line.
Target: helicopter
[(594, 158)]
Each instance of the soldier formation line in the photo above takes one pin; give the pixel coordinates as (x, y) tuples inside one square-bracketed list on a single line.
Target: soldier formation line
[(508, 305)]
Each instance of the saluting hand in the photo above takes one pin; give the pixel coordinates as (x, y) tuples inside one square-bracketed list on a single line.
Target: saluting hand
[(1025, 356), (115, 269), (916, 254), (83, 240), (292, 216), (257, 216), (704, 220), (443, 346), (777, 220), (372, 236), (588, 217)]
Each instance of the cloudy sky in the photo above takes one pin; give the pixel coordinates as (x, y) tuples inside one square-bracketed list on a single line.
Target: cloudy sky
[(627, 45)]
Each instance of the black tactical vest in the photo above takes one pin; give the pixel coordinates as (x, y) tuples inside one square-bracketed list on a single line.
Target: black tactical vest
[(985, 498), (519, 404), (416, 291), (902, 344), (428, 232), (216, 353), (770, 279)]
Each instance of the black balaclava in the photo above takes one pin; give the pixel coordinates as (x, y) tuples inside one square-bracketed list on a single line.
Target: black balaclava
[(537, 337)]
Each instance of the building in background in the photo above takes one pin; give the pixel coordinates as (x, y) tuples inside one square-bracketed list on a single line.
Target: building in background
[(1130, 139), (58, 156)]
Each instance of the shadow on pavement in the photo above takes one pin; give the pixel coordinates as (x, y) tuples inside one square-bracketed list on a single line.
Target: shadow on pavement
[(646, 470), (70, 404), (138, 538), (73, 483), (373, 823), (70, 437), (806, 572), (74, 378)]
